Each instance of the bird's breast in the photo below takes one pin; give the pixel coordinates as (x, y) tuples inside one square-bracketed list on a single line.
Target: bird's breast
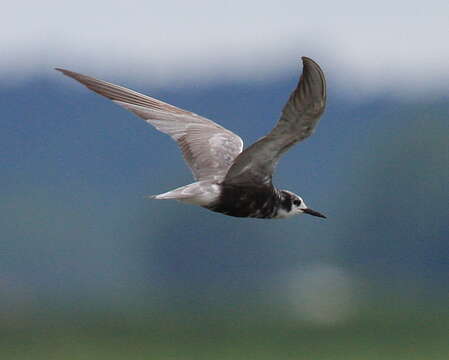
[(247, 201)]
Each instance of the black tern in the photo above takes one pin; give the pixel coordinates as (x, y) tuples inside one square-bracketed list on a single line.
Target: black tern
[(229, 180)]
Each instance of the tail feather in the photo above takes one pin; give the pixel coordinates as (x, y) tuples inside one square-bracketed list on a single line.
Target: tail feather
[(199, 193)]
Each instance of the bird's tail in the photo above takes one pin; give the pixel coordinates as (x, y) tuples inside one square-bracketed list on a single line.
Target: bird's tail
[(199, 193)]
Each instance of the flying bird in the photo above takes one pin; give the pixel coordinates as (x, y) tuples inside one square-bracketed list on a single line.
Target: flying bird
[(229, 180)]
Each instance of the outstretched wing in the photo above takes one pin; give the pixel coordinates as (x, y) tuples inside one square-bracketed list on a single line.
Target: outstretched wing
[(255, 165), (208, 148)]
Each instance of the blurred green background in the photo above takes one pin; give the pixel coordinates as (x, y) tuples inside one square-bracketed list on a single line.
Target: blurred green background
[(90, 269)]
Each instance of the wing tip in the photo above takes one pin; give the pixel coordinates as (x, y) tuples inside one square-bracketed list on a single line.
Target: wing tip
[(308, 61), (305, 58), (64, 71), (72, 74), (311, 69)]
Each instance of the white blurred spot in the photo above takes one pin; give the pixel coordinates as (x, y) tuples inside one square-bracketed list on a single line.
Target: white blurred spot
[(322, 294)]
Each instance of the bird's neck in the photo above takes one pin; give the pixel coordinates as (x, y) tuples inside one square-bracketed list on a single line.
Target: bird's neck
[(285, 207)]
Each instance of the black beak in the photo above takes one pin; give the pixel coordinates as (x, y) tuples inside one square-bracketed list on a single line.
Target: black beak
[(313, 212)]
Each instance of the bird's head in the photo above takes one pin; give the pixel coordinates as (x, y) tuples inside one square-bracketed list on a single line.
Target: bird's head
[(292, 204)]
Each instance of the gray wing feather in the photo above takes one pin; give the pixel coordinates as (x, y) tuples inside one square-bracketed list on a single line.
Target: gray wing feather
[(208, 148), (255, 165)]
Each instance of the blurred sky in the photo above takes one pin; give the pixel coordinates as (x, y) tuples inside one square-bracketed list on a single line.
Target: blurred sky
[(395, 47)]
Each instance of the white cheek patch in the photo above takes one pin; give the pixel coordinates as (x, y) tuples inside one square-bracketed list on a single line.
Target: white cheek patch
[(282, 214)]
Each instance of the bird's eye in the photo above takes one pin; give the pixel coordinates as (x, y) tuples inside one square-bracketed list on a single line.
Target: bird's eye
[(297, 202)]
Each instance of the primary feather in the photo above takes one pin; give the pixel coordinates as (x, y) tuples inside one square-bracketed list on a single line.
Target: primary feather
[(255, 165), (208, 148)]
